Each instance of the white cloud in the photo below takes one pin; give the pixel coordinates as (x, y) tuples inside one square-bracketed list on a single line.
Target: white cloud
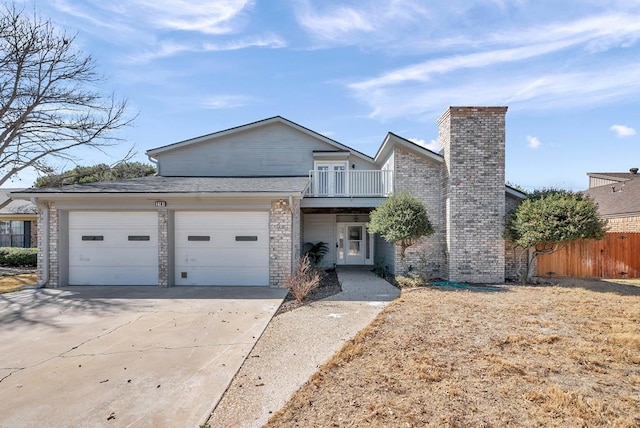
[(431, 145), (512, 67), (368, 21), (266, 41), (594, 87), (623, 131), (165, 49), (226, 101), (424, 72), (535, 43), (203, 16), (336, 23), (533, 142)]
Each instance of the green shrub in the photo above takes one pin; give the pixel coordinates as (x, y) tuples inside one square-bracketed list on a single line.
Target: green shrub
[(18, 257)]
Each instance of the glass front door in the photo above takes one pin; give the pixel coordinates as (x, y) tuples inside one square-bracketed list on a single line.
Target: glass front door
[(355, 245)]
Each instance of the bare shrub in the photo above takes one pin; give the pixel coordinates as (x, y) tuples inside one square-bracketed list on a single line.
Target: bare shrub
[(304, 279), (411, 280)]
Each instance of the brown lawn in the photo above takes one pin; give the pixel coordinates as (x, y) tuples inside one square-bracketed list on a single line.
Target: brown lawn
[(16, 282), (566, 355)]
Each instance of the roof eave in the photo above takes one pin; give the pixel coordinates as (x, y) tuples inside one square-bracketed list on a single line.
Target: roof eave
[(276, 119), (132, 195), (393, 139)]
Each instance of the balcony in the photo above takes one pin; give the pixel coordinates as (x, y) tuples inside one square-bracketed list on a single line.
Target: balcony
[(342, 183)]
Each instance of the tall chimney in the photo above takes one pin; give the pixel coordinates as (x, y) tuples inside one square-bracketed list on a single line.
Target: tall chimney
[(473, 141)]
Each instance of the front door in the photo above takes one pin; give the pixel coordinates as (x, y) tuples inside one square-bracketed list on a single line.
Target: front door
[(354, 244), (355, 247)]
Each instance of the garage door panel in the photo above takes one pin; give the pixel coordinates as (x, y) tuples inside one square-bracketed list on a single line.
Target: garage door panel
[(107, 275), (222, 257), (113, 248), (224, 249), (221, 276), (121, 258)]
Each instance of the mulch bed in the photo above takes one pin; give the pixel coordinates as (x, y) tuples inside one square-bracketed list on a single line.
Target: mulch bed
[(329, 285)]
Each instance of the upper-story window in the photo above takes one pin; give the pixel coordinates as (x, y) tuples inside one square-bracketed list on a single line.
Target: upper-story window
[(331, 178)]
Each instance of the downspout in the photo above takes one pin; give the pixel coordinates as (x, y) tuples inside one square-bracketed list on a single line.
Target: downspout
[(43, 243), (154, 162)]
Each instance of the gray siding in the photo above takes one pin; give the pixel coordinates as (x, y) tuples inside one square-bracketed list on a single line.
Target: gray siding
[(385, 253), (321, 227), (270, 150)]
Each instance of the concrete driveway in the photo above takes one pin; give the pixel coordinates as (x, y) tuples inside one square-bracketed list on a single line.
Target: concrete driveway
[(124, 356)]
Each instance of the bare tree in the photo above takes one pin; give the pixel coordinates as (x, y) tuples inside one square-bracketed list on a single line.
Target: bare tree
[(50, 100)]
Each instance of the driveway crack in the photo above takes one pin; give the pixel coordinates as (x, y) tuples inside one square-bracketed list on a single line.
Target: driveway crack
[(155, 348), (63, 354)]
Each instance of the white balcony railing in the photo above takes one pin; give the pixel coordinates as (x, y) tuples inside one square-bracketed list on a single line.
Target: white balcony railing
[(344, 183)]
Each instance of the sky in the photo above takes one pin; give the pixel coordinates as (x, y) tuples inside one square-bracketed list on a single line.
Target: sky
[(569, 71)]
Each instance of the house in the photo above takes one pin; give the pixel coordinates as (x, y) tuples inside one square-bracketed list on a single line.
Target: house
[(235, 207), (18, 220), (618, 197)]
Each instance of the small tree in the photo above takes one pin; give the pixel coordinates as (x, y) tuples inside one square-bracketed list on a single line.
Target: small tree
[(401, 219), (550, 217)]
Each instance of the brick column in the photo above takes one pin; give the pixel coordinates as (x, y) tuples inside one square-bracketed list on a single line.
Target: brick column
[(280, 242), (54, 263), (163, 247)]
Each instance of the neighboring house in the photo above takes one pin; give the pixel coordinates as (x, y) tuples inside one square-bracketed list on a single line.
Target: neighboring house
[(618, 197), (18, 219), (236, 207)]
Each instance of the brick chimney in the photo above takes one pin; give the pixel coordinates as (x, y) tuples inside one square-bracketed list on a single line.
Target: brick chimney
[(473, 142)]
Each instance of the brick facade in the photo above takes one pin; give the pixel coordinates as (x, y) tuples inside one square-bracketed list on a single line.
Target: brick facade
[(473, 143), (624, 224), (422, 178)]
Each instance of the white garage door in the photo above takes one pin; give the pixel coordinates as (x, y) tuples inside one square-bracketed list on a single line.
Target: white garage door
[(113, 248), (222, 248)]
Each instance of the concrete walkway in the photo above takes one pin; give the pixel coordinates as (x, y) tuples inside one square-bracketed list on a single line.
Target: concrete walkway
[(296, 343)]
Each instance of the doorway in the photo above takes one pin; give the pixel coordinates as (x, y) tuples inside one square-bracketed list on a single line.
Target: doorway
[(354, 244)]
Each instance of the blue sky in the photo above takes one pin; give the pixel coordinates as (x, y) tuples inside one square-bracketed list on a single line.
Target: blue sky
[(569, 71)]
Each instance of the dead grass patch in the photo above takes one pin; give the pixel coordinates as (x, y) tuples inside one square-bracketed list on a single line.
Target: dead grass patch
[(532, 356), (17, 282)]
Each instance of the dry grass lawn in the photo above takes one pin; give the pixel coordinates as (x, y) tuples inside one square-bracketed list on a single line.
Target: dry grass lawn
[(565, 356), (16, 282)]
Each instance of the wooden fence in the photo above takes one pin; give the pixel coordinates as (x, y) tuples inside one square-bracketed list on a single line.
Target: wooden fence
[(615, 256)]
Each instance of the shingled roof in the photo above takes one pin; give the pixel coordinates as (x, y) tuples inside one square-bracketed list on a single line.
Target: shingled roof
[(619, 199), (186, 185)]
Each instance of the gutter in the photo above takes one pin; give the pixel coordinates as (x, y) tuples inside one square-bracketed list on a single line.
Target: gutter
[(43, 243)]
